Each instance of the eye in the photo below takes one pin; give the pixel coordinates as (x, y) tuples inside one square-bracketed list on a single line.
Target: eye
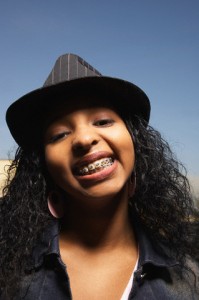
[(104, 122), (58, 136)]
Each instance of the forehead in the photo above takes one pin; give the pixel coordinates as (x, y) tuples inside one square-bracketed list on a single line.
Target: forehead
[(77, 103)]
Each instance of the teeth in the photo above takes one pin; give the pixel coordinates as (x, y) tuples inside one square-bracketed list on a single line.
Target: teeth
[(101, 163), (91, 167), (97, 165), (85, 170)]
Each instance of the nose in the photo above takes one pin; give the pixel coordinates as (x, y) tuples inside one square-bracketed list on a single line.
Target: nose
[(84, 139)]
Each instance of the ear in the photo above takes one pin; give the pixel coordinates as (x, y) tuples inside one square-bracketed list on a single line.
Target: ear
[(56, 204)]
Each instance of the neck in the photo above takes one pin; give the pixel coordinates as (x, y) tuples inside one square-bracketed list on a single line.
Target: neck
[(107, 226)]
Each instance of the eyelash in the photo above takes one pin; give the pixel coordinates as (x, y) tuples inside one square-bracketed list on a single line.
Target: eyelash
[(101, 123), (58, 137), (104, 122)]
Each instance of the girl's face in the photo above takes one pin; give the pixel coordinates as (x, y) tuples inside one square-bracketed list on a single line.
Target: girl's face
[(89, 152)]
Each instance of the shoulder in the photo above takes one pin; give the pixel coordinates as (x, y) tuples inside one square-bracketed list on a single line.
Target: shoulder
[(185, 279), (192, 266)]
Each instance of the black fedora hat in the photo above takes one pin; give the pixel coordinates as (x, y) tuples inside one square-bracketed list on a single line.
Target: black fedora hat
[(70, 74)]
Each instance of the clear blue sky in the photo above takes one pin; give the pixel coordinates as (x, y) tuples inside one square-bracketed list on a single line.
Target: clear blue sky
[(153, 43)]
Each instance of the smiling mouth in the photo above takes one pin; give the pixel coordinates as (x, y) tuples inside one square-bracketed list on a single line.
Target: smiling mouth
[(95, 166)]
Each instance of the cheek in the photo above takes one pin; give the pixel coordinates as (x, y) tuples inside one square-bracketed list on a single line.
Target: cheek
[(51, 159), (129, 153), (123, 139), (58, 168), (56, 164), (126, 151), (122, 143)]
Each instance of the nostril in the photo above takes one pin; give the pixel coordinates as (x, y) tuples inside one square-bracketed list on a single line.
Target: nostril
[(83, 147), (79, 146), (84, 141), (94, 142)]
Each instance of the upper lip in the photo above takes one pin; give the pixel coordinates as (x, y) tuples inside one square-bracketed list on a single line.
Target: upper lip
[(91, 158)]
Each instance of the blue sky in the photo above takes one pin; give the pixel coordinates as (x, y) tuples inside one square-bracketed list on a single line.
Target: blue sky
[(153, 43)]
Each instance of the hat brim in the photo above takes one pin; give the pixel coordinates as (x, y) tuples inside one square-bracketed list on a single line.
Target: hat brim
[(26, 115)]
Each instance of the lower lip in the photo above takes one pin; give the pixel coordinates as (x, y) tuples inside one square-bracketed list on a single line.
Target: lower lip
[(98, 176)]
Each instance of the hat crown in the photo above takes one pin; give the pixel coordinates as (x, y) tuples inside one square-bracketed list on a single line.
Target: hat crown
[(70, 66), (70, 74)]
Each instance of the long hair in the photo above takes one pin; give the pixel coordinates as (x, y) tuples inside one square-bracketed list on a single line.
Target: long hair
[(23, 216), (162, 202)]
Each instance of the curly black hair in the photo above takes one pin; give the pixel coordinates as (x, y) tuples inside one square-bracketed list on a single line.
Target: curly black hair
[(162, 202)]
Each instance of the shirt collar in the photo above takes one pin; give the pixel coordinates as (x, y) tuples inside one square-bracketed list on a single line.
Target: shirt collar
[(148, 252), (48, 244)]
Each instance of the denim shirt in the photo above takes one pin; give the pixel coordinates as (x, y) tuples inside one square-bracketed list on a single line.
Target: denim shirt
[(157, 275)]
